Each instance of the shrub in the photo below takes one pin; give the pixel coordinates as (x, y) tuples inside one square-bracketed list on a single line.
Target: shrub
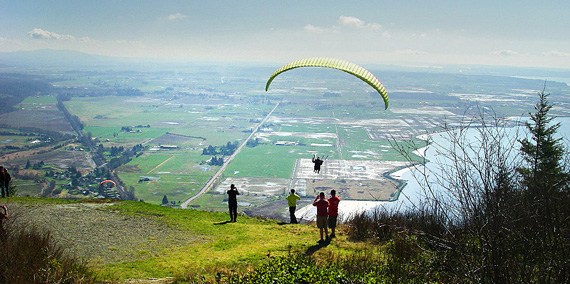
[(30, 256)]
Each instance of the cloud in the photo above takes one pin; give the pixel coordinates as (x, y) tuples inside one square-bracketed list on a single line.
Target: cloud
[(86, 39), (505, 52), (356, 23), (38, 33), (556, 53), (347, 23), (314, 29), (176, 17)]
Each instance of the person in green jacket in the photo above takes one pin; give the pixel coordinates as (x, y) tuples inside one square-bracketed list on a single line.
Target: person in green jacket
[(292, 200)]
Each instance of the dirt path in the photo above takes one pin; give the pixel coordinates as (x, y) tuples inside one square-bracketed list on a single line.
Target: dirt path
[(160, 165)]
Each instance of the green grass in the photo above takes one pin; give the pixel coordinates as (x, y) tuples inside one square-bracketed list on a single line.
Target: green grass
[(218, 246), (238, 245)]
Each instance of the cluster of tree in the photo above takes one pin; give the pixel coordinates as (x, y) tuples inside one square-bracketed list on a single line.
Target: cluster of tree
[(70, 172), (35, 166), (130, 128), (72, 119), (125, 157), (215, 161), (165, 201), (126, 129), (252, 142), (115, 151), (225, 150)]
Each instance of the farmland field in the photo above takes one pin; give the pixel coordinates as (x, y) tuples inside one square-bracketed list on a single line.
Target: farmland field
[(176, 114)]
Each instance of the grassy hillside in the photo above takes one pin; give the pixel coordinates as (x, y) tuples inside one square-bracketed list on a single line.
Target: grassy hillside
[(134, 240)]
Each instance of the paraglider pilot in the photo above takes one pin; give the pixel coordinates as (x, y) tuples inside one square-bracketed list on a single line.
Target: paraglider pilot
[(318, 162)]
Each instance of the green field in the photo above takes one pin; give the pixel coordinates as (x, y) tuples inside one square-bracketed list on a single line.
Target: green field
[(173, 173), (264, 161), (197, 126), (324, 112), (38, 100), (179, 173)]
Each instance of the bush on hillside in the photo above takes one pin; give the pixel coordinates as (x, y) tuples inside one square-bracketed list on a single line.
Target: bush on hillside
[(31, 256)]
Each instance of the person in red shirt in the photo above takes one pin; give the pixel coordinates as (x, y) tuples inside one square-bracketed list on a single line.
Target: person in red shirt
[(333, 212), (322, 205)]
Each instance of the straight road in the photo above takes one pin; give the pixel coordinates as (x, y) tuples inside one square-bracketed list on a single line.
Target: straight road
[(210, 183)]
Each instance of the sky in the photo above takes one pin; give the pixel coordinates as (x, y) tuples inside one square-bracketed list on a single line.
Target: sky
[(407, 32)]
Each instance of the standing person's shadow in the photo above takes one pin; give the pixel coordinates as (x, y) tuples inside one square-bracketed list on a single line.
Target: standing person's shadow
[(222, 223), (312, 249)]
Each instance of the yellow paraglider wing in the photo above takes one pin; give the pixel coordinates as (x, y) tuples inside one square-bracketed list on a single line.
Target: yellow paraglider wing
[(342, 65)]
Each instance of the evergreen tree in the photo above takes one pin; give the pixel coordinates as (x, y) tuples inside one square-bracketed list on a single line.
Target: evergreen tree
[(100, 149), (545, 180), (543, 153)]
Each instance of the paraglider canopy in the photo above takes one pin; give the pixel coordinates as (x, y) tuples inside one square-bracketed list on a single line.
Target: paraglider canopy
[(107, 181), (342, 65)]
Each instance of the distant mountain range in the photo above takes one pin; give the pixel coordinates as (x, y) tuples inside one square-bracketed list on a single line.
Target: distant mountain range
[(75, 59), (54, 58)]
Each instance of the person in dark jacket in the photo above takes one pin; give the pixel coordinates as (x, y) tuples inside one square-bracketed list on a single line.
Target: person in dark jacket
[(4, 182), (232, 202), (318, 162)]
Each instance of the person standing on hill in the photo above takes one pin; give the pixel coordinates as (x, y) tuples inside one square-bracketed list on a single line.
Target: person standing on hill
[(322, 205), (4, 182), (333, 212), (292, 201), (232, 202), (7, 180)]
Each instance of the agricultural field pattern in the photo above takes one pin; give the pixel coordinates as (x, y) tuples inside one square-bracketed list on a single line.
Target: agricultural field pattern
[(175, 113)]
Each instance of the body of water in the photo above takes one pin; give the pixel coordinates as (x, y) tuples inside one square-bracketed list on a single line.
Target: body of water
[(413, 193)]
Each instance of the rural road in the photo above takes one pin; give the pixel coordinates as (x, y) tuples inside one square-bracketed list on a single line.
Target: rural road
[(210, 183)]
